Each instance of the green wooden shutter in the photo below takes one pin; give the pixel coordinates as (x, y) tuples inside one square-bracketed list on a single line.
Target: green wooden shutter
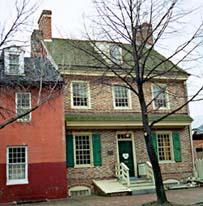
[(69, 151), (177, 147), (96, 142), (154, 141)]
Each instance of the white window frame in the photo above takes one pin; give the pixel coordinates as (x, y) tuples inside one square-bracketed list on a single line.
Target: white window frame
[(166, 97), (14, 51), (17, 181), (171, 146), (118, 60), (88, 96), (29, 107), (128, 97), (91, 149)]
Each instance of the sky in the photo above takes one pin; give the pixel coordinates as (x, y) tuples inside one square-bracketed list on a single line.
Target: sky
[(69, 17)]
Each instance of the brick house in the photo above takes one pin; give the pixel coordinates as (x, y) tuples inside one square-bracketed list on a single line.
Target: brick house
[(103, 121), (198, 142), (32, 158)]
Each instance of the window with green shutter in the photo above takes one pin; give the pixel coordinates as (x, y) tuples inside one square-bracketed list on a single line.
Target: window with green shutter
[(154, 141), (69, 151), (167, 146), (177, 147), (83, 150), (96, 141)]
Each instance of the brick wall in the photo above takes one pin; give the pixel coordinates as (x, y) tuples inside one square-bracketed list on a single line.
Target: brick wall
[(102, 95), (44, 23), (84, 176)]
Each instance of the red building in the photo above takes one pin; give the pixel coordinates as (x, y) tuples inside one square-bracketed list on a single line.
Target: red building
[(32, 149)]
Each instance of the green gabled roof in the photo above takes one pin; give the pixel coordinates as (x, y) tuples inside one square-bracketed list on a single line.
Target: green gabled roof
[(122, 117), (66, 52)]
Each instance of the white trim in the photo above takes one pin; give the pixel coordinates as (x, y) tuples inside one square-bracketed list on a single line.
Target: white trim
[(91, 149), (30, 106), (90, 72), (14, 50), (129, 97), (166, 95), (121, 124), (88, 95), (17, 181), (132, 139)]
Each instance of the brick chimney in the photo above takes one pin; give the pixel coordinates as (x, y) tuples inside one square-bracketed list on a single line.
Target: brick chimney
[(144, 31), (44, 23)]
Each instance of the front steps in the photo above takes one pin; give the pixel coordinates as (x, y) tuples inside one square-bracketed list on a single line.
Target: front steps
[(114, 186), (110, 187), (141, 186)]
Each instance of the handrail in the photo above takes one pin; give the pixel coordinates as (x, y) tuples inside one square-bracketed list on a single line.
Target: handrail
[(150, 173), (122, 172)]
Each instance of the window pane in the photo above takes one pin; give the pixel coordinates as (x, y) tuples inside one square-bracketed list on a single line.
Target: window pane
[(23, 105), (115, 54), (16, 163), (82, 149), (121, 96), (80, 94), (164, 146), (159, 93), (13, 63)]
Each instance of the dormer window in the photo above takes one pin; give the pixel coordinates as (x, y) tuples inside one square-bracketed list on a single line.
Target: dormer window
[(14, 60), (14, 63), (115, 53), (111, 52)]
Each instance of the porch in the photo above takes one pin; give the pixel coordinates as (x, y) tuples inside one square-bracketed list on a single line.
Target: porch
[(123, 183)]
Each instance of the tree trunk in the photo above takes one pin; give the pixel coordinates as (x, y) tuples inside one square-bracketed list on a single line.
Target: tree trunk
[(160, 192)]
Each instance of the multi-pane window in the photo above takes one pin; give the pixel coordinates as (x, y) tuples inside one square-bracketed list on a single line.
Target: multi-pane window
[(121, 96), (16, 165), (82, 150), (23, 105), (14, 65), (80, 94), (115, 54), (160, 96), (164, 146)]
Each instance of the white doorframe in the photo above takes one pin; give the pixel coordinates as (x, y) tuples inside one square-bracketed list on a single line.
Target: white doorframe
[(131, 138)]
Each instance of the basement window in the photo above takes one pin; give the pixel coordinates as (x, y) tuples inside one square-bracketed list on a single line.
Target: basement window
[(79, 191)]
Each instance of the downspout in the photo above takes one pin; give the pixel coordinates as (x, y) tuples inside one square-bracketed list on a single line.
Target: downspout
[(194, 171)]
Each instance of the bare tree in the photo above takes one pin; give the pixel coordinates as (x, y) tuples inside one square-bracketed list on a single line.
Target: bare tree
[(16, 25), (39, 76), (137, 26)]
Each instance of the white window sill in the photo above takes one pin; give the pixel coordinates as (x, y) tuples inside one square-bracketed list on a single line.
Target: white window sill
[(80, 107), (161, 108), (166, 162), (125, 108), (83, 166), (23, 121), (17, 182)]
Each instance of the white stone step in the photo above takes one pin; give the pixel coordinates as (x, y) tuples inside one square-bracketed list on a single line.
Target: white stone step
[(111, 186)]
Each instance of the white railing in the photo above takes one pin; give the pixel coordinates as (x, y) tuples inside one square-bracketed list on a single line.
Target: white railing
[(199, 168), (149, 170), (122, 172)]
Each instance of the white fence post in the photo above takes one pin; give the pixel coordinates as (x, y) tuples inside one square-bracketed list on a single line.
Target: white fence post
[(199, 167)]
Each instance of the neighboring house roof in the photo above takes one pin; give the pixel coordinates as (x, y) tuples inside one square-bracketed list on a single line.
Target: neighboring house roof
[(198, 131), (35, 70), (67, 53)]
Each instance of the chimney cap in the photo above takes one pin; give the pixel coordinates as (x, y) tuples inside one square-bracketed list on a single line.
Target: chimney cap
[(44, 12)]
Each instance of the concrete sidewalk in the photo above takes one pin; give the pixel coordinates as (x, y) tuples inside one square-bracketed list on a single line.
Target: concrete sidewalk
[(184, 196)]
